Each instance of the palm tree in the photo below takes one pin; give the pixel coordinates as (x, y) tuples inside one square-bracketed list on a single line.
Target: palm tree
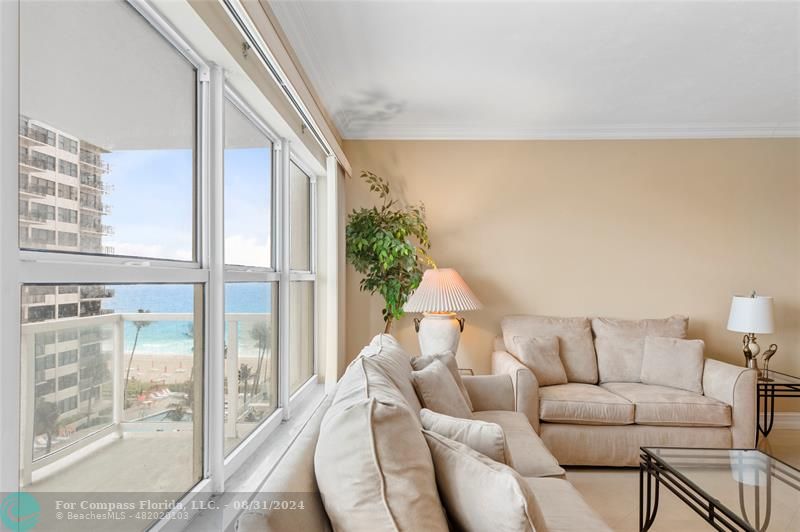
[(245, 374), (45, 420), (262, 334), (139, 326)]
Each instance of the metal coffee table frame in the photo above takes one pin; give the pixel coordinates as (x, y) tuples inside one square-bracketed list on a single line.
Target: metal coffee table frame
[(655, 471), (782, 385)]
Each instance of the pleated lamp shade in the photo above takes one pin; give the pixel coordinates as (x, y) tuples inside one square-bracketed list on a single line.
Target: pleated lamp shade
[(442, 290)]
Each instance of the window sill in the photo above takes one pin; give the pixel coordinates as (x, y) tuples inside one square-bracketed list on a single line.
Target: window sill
[(244, 484)]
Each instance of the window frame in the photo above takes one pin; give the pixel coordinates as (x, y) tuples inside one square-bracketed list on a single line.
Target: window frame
[(26, 266)]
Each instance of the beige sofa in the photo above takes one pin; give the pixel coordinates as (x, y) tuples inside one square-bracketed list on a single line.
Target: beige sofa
[(603, 414), (363, 451)]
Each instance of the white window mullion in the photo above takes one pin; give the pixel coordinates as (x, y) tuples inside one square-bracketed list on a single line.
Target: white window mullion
[(215, 307), (283, 232), (10, 361)]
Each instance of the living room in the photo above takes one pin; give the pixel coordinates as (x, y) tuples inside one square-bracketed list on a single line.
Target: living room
[(385, 265)]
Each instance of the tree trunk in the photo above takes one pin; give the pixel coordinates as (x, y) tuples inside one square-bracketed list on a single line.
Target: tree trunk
[(128, 371), (388, 327)]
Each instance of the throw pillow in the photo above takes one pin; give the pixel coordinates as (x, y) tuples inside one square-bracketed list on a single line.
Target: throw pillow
[(576, 349), (540, 354), (673, 362), (437, 390), (449, 360), (620, 344), (482, 436), (480, 494)]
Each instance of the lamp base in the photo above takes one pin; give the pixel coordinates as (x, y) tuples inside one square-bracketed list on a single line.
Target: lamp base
[(439, 333)]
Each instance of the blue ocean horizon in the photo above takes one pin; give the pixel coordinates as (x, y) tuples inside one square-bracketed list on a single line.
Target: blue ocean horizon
[(175, 337)]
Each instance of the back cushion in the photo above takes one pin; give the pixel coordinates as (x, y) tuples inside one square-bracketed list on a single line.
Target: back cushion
[(575, 342), (373, 467), (391, 359), (620, 344)]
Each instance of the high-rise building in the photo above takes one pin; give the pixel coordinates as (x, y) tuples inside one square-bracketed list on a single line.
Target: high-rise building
[(61, 208)]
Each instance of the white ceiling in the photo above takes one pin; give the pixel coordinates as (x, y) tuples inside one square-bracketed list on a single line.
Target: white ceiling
[(596, 69)]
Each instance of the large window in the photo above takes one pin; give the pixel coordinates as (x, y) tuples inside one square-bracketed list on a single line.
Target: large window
[(167, 303)]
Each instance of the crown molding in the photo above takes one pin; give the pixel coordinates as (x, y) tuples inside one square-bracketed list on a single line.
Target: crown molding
[(640, 132)]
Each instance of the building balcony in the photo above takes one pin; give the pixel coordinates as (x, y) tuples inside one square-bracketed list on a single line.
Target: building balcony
[(96, 292), (38, 135), (148, 422), (34, 190), (94, 161), (35, 164), (99, 229), (99, 207), (97, 184), (32, 217)]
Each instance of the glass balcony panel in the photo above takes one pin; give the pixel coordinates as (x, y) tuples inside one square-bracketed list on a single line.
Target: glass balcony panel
[(111, 399)]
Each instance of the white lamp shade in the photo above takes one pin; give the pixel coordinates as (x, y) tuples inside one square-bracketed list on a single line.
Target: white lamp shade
[(442, 290), (752, 315)]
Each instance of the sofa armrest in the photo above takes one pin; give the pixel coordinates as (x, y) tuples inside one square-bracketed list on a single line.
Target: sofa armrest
[(490, 392), (526, 387), (736, 386)]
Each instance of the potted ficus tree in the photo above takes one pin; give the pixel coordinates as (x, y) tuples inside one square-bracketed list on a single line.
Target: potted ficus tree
[(388, 245)]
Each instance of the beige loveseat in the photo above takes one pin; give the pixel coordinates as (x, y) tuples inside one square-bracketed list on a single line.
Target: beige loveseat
[(604, 413), (363, 451)]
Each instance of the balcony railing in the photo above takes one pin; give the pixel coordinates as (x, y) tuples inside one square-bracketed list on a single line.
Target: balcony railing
[(113, 415)]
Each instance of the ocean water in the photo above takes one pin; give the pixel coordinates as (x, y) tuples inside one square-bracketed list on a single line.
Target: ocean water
[(176, 337)]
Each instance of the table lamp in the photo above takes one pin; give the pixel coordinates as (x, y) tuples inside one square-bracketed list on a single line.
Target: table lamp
[(439, 296), (751, 315)]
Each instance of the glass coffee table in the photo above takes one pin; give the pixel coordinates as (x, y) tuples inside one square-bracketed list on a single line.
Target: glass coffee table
[(732, 489), (773, 384)]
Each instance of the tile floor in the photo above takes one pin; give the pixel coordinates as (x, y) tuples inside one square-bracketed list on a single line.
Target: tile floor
[(614, 494)]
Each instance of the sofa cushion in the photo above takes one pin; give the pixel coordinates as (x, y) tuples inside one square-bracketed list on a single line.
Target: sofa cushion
[(370, 440), (449, 360), (583, 404), (620, 344), (479, 493), (395, 363), (541, 355), (483, 436), (527, 453), (660, 405), (673, 362), (563, 507), (438, 391), (575, 342)]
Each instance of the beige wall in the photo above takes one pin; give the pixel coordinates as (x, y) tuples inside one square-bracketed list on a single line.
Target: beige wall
[(611, 228)]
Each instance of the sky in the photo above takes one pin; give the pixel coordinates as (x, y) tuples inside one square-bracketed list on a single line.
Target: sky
[(151, 204)]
